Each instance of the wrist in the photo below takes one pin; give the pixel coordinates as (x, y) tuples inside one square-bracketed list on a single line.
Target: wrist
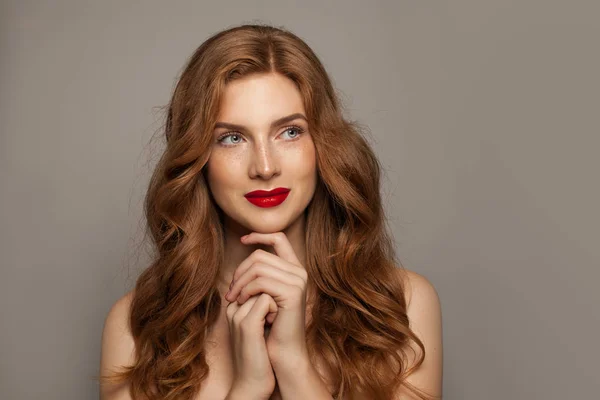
[(289, 361), (241, 393), (302, 382)]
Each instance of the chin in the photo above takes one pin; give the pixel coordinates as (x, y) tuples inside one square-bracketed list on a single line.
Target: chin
[(278, 222), (262, 227)]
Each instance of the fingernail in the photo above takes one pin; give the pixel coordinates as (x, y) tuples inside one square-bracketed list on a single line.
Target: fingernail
[(227, 294)]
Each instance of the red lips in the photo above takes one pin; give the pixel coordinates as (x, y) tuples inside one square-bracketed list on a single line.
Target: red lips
[(267, 198), (267, 193)]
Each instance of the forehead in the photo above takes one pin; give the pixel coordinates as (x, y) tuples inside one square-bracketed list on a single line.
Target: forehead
[(259, 99)]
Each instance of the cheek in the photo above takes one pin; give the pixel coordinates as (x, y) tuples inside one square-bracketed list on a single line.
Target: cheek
[(306, 161), (221, 172)]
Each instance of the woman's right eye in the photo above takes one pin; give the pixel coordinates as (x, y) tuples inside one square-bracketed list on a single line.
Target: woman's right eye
[(228, 135)]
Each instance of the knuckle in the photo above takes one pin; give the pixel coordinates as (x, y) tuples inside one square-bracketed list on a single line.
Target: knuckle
[(257, 268), (252, 267), (264, 298), (258, 253)]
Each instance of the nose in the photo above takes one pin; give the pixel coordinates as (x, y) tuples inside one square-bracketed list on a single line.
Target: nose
[(264, 161)]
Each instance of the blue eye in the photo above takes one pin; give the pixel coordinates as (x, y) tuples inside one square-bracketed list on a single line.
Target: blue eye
[(229, 135), (221, 139), (294, 129)]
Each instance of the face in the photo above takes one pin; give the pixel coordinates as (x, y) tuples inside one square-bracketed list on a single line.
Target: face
[(255, 148)]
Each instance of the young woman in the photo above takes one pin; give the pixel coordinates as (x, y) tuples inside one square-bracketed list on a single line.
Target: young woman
[(274, 275)]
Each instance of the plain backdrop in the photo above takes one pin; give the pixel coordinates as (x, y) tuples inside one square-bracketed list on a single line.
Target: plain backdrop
[(484, 115)]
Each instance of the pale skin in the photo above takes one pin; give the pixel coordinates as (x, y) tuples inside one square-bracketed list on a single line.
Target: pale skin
[(270, 260)]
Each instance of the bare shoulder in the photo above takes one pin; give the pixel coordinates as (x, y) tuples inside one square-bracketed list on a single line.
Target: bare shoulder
[(416, 285), (118, 348), (425, 319)]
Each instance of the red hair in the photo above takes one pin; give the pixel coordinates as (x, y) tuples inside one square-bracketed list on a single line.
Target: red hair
[(359, 324)]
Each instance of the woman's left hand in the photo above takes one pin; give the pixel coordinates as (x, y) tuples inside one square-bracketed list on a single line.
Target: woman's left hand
[(282, 277)]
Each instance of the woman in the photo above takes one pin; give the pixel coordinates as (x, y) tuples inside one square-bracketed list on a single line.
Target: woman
[(274, 275)]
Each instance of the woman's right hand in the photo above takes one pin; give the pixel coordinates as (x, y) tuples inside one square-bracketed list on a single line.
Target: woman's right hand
[(253, 373)]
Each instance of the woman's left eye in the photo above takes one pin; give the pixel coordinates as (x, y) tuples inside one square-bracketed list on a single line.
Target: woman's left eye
[(296, 129)]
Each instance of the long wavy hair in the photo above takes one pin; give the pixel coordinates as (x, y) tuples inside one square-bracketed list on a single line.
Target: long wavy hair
[(359, 325)]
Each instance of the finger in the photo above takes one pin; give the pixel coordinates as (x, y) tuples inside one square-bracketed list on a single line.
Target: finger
[(264, 306), (271, 317), (263, 270), (231, 309), (238, 311), (284, 295), (262, 256), (278, 240), (251, 316)]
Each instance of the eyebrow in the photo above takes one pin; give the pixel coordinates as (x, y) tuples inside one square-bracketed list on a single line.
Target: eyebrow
[(274, 124)]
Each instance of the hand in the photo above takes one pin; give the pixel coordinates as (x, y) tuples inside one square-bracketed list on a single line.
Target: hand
[(253, 373), (283, 278)]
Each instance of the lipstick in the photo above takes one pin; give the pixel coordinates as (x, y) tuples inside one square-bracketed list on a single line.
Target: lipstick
[(267, 198)]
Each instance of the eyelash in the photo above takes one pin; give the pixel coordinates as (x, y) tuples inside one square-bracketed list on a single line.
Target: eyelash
[(234, 133)]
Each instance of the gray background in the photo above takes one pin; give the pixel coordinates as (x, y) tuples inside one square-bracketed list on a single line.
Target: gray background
[(483, 113)]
